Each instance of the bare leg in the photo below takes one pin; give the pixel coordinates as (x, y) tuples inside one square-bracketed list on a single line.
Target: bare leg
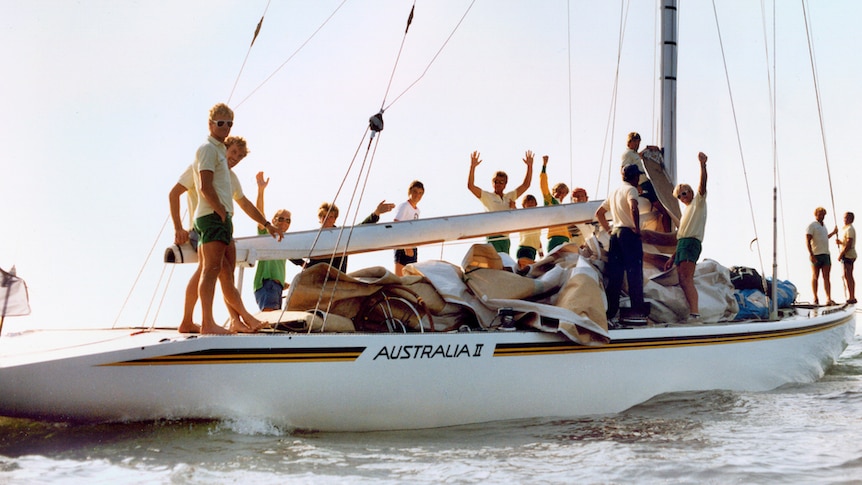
[(399, 269), (188, 324), (827, 285), (244, 321), (211, 254), (225, 278), (686, 281), (848, 279), (815, 273)]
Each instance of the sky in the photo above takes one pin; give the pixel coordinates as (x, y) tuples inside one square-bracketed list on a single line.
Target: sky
[(104, 104)]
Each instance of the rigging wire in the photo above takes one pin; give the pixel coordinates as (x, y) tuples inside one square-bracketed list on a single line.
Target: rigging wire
[(773, 133), (290, 57), (375, 126), (819, 105), (656, 66), (140, 272), (569, 72), (738, 137), (398, 57), (431, 62), (254, 37), (774, 106), (610, 128)]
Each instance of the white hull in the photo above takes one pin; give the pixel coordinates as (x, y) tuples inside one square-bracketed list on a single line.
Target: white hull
[(400, 381)]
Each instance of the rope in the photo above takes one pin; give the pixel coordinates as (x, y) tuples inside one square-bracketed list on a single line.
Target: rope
[(254, 37), (140, 271), (738, 138), (819, 105), (253, 91)]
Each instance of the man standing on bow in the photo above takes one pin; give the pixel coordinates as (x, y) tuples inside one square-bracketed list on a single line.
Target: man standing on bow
[(817, 240)]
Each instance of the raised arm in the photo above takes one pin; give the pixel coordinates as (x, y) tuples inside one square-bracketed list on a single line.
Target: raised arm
[(528, 159), (471, 185), (261, 186), (543, 181), (702, 188)]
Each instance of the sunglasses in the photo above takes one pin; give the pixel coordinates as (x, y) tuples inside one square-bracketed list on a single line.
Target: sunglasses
[(221, 123), (282, 219), (682, 194)]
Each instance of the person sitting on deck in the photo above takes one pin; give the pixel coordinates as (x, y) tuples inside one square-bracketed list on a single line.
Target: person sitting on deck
[(327, 214)]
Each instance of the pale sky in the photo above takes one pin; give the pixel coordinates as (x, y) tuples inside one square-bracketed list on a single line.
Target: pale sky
[(105, 103)]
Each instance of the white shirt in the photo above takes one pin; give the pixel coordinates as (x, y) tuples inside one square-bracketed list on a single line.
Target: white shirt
[(406, 212), (693, 220), (212, 156), (819, 238), (494, 202), (619, 206)]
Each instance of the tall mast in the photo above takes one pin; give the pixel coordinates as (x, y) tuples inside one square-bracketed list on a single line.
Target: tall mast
[(670, 35)]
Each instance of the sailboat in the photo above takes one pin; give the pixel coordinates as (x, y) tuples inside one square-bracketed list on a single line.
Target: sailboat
[(399, 364)]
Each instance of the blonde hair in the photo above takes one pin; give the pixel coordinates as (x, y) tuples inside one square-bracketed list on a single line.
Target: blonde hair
[(679, 188), (238, 141), (560, 186), (327, 208), (220, 110)]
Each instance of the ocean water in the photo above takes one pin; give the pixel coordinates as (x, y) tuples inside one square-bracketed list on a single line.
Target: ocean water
[(808, 433)]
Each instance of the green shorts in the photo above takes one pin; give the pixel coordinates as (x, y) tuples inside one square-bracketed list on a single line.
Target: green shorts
[(555, 241), (501, 243), (212, 228), (527, 252), (687, 249), (821, 260)]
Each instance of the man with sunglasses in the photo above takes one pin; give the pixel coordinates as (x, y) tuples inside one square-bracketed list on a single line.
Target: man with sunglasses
[(213, 221), (690, 235), (269, 277), (236, 150)]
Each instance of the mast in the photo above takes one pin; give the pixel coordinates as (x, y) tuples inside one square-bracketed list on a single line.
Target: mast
[(670, 35)]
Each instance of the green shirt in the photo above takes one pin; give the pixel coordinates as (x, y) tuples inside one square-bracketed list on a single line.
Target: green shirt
[(268, 270)]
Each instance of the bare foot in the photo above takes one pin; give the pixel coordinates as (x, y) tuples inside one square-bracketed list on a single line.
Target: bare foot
[(240, 327), (189, 327), (215, 329)]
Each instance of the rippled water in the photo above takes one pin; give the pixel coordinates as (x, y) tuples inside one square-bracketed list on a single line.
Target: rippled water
[(797, 434)]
